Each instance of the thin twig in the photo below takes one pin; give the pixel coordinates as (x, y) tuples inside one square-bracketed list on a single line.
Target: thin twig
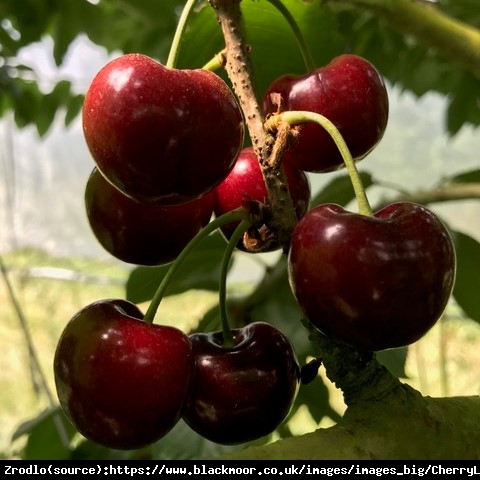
[(34, 359)]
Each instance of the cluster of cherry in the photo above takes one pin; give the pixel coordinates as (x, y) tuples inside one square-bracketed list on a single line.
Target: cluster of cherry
[(169, 151)]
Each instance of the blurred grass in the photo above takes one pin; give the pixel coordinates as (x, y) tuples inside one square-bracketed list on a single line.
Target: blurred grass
[(51, 290)]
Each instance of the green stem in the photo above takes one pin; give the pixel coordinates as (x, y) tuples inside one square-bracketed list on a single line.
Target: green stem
[(228, 340), (216, 62), (233, 216), (180, 30), (305, 51), (296, 117)]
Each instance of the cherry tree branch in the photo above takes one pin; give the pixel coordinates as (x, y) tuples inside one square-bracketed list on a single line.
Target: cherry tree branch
[(358, 374), (443, 193), (402, 425), (269, 147)]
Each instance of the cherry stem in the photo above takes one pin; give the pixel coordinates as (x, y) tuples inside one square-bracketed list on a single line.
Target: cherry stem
[(305, 51), (228, 340), (233, 216), (180, 30), (216, 62), (297, 117)]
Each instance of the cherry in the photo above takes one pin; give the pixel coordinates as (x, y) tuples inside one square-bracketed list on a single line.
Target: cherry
[(350, 92), (244, 392), (121, 381), (245, 182), (139, 232), (374, 282), (161, 134)]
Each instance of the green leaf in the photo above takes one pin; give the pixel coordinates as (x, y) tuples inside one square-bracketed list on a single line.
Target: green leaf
[(467, 279), (87, 450), (9, 45), (340, 190), (200, 270), (143, 26), (26, 103), (30, 17), (274, 47), (473, 176), (465, 10), (45, 436), (272, 301), (182, 443), (210, 321), (463, 107), (50, 104), (74, 107), (202, 40), (46, 113), (315, 397), (394, 360), (66, 28)]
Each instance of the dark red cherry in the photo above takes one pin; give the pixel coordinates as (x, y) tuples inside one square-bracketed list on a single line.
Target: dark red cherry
[(374, 282), (121, 381), (245, 182), (243, 392), (161, 134), (143, 233), (351, 93)]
